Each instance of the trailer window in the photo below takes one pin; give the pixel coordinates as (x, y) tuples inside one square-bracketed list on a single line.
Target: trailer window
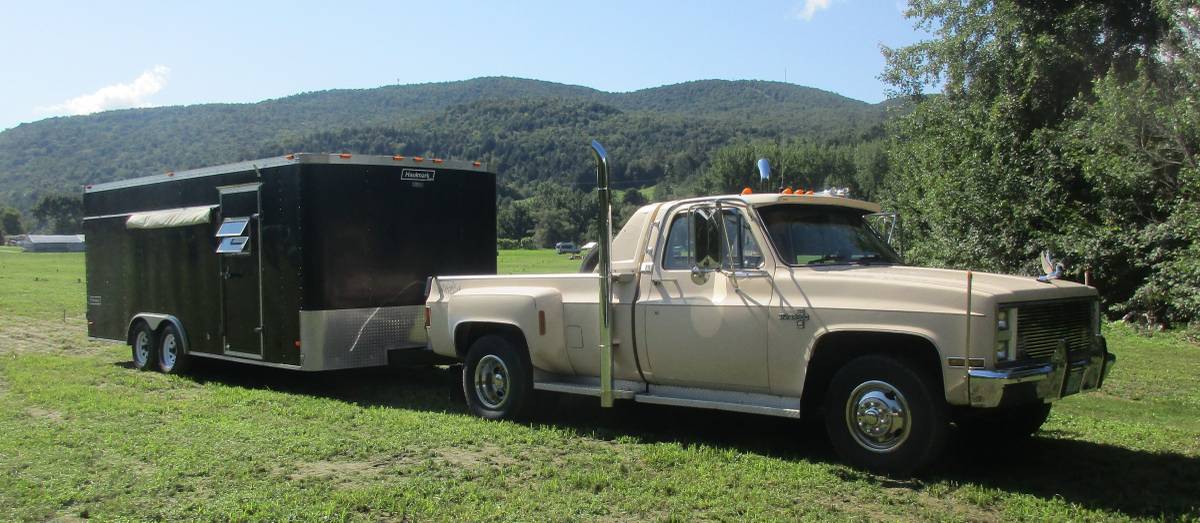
[(232, 227), (234, 245)]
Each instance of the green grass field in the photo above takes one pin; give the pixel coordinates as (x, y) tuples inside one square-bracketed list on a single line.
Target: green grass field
[(82, 435)]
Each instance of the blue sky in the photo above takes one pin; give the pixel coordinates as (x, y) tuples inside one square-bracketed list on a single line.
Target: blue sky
[(77, 57)]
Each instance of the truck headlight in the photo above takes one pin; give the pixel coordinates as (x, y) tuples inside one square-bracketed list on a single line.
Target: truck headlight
[(1005, 337)]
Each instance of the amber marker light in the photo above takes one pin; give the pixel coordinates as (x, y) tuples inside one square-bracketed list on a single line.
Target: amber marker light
[(747, 191), (477, 164), (418, 159), (437, 160), (788, 191), (398, 158), (344, 156)]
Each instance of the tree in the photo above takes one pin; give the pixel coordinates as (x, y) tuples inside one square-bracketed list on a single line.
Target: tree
[(63, 214), (10, 221), (1063, 125)]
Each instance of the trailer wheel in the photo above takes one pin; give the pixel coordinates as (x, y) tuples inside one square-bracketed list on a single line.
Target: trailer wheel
[(143, 342), (497, 379), (884, 414), (172, 359)]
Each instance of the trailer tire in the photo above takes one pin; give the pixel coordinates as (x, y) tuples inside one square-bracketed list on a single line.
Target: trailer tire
[(142, 343), (884, 414), (498, 379), (172, 359)]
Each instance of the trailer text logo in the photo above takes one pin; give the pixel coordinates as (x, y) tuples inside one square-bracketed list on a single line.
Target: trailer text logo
[(416, 175)]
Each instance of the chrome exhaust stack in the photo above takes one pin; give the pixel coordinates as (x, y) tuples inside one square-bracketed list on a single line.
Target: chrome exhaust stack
[(604, 267)]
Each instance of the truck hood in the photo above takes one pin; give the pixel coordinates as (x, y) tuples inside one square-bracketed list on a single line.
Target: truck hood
[(904, 287)]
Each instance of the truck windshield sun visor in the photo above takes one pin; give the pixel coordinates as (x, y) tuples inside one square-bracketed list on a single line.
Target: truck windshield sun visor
[(819, 235)]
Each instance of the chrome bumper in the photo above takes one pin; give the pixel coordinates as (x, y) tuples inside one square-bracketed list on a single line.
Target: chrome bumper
[(1045, 382)]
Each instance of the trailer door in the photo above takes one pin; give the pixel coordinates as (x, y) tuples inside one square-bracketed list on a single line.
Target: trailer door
[(240, 251)]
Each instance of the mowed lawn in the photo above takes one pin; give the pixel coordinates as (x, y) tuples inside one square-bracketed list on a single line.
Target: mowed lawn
[(82, 435)]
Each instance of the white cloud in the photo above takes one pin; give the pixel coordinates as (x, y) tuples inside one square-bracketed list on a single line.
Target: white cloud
[(805, 12), (116, 96)]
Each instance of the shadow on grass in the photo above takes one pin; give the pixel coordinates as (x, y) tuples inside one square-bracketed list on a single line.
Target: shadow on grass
[(1092, 475)]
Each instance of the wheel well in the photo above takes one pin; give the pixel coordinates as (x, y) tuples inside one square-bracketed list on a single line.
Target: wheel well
[(133, 327), (465, 335), (835, 349)]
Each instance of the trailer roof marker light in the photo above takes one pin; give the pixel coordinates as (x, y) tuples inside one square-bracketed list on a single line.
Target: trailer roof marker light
[(438, 160), (418, 159), (398, 158), (344, 156), (747, 191)]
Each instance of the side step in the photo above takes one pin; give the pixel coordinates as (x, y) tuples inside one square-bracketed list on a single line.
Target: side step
[(750, 403), (718, 405), (581, 389)]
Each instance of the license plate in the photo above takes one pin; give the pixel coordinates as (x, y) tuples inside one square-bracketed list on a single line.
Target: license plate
[(1073, 382)]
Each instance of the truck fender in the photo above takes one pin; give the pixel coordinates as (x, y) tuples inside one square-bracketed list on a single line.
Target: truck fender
[(832, 347), (536, 311), (155, 321)]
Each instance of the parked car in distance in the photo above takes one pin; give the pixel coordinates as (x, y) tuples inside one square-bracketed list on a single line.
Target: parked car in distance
[(566, 248)]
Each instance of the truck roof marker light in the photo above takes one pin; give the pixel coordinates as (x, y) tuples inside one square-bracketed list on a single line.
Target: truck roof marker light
[(808, 192), (477, 164), (418, 159), (344, 156), (438, 160), (787, 191), (398, 158), (747, 191)]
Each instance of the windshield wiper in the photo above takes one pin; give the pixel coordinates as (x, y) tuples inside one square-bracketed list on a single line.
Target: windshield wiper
[(828, 258), (866, 259)]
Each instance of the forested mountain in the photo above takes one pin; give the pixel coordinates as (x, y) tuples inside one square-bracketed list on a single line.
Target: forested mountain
[(529, 129)]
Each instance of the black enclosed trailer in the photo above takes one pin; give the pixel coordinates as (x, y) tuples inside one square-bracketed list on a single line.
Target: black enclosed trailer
[(309, 261)]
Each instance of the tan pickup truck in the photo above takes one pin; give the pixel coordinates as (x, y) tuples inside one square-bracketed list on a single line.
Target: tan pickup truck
[(782, 305)]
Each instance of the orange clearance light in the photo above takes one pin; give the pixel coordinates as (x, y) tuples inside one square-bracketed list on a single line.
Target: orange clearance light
[(344, 156), (788, 191), (437, 160), (747, 191), (418, 159), (808, 191), (477, 164), (397, 157)]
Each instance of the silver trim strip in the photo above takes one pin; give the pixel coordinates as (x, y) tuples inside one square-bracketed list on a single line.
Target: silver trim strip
[(299, 158), (718, 405), (243, 360)]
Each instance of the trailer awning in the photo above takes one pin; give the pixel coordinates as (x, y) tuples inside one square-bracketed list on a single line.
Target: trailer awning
[(165, 218)]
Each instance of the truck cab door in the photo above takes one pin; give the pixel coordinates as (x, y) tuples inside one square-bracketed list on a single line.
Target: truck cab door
[(705, 313)]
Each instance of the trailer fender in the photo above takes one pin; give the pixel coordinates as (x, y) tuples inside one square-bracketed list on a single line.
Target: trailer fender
[(536, 311), (155, 321)]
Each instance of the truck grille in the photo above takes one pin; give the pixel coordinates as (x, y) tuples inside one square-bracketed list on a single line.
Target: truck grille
[(1040, 327)]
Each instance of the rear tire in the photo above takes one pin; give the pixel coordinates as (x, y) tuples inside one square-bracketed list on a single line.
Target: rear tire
[(498, 379), (143, 343), (884, 414), (172, 359)]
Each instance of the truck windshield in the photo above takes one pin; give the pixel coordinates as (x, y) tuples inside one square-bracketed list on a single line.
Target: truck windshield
[(824, 235)]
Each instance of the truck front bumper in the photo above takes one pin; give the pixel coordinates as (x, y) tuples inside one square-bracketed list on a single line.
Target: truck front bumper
[(1042, 382)]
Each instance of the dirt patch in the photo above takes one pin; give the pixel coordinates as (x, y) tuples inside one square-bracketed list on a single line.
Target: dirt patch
[(46, 414), (30, 335), (347, 471), (484, 456)]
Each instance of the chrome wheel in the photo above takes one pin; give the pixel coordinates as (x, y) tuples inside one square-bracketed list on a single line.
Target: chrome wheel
[(491, 381), (142, 348), (170, 348), (878, 416)]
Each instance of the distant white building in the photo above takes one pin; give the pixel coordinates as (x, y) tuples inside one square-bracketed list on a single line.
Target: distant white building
[(54, 243)]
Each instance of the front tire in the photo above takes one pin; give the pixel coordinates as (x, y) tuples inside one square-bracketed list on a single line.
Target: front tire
[(884, 414), (172, 359), (497, 379), (143, 343)]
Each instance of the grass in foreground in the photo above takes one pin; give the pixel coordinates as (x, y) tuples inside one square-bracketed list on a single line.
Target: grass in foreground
[(83, 435)]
